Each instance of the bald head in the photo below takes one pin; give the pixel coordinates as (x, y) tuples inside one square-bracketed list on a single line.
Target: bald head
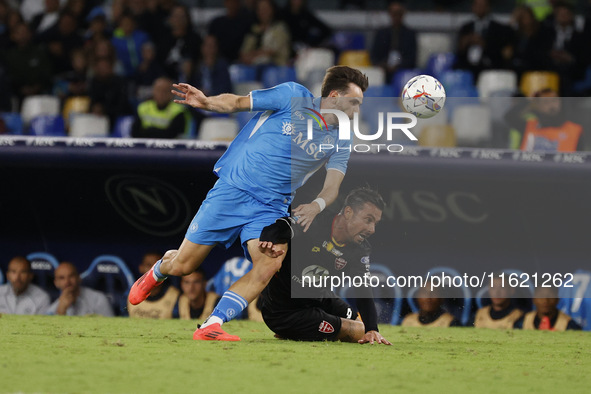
[(66, 276), (19, 274)]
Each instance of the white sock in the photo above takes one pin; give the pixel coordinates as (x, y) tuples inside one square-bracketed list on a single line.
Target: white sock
[(212, 320)]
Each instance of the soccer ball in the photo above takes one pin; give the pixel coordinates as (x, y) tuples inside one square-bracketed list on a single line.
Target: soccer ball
[(423, 96)]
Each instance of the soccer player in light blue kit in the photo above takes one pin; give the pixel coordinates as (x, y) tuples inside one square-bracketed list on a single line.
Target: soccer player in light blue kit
[(258, 175)]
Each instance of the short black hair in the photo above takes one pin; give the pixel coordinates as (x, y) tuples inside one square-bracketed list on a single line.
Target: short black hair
[(358, 197)]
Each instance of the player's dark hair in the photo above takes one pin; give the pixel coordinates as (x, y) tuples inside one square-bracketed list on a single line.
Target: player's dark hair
[(339, 77), (358, 197)]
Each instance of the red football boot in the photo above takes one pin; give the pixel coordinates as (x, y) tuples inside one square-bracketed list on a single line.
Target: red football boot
[(213, 332), (142, 287)]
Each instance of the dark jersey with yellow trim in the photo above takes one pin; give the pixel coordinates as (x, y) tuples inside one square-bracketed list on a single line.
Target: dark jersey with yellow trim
[(313, 256)]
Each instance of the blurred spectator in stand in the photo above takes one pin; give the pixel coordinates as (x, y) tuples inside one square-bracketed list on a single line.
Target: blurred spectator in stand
[(161, 302), (74, 82), (47, 18), (194, 302), (76, 300), (103, 49), (19, 296), (430, 312), (541, 9), (211, 74), (546, 316), (501, 313), (98, 29), (230, 29), (128, 40), (395, 47), (61, 40), (108, 92), (353, 4), (80, 9), (148, 71), (533, 42), (4, 30), (305, 28), (268, 41), (569, 50), (27, 64), (483, 43), (543, 125), (161, 117), (179, 48), (29, 8)]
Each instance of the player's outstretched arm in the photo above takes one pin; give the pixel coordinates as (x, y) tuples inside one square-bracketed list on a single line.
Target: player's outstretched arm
[(330, 191), (372, 337), (223, 103)]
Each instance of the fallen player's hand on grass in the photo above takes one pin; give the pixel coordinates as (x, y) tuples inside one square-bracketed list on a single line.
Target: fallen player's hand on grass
[(374, 336)]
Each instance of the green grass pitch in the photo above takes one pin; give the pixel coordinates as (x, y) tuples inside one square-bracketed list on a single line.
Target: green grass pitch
[(53, 354)]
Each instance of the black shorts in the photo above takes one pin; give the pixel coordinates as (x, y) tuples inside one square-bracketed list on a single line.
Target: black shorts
[(314, 323)]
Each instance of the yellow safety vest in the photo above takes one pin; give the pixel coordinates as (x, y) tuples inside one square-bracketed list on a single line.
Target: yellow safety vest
[(151, 116)]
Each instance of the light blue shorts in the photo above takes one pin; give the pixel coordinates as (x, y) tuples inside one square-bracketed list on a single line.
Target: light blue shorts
[(228, 212)]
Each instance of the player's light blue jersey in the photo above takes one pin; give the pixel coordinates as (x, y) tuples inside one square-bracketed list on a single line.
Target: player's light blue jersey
[(271, 156)]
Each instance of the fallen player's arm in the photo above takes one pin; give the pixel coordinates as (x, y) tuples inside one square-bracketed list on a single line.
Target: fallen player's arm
[(329, 193), (223, 103), (369, 315)]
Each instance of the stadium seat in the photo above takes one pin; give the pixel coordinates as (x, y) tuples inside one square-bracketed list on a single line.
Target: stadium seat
[(75, 105), (274, 75), (534, 81), (13, 122), (357, 58), (456, 80), (401, 77), (89, 125), (348, 40), (370, 114), (494, 80), (43, 265), (1, 277), (34, 106), (242, 73), (430, 43), (461, 310), (123, 127), (435, 135), (439, 63), (48, 125), (311, 59), (500, 102), (110, 274), (244, 88), (583, 85), (218, 129), (472, 124), (375, 75), (575, 301)]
